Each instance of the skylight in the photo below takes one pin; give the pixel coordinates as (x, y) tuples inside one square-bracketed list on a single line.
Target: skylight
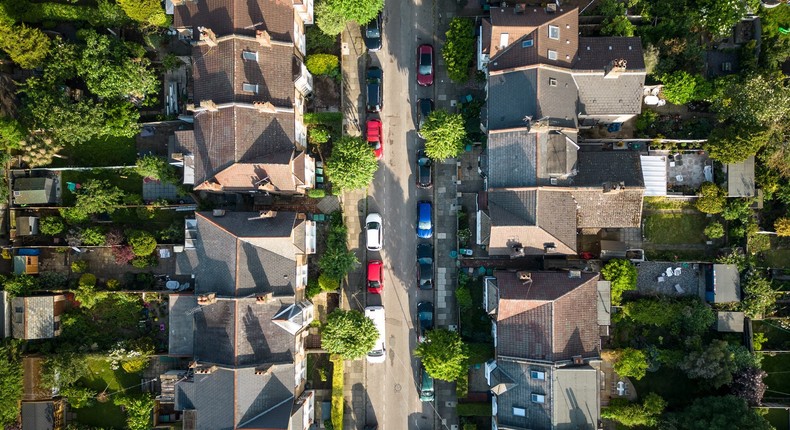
[(250, 55)]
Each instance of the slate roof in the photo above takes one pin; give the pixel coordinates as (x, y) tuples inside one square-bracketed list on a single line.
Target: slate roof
[(553, 317), (595, 53), (536, 93), (220, 71), (37, 321), (731, 322), (597, 167), (512, 158), (239, 17), (38, 415), (726, 283), (236, 257), (601, 96), (239, 398), (34, 191), (181, 308), (740, 178)]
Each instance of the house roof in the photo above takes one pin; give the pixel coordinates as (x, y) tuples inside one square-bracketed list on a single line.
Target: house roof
[(577, 403), (535, 93), (239, 254), (726, 283), (34, 191), (37, 319), (520, 386), (181, 338), (239, 398), (613, 209), (598, 167), (599, 95), (731, 322), (595, 53), (220, 71), (740, 178), (553, 317), (524, 158), (239, 17), (38, 415)]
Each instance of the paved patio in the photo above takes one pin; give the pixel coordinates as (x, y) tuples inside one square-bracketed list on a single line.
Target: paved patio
[(687, 279), (688, 171)]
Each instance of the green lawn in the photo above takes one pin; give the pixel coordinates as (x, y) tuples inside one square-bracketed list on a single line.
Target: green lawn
[(660, 202), (779, 258), (99, 152), (125, 179), (102, 377), (778, 339), (671, 384), (778, 379), (778, 418), (675, 228)]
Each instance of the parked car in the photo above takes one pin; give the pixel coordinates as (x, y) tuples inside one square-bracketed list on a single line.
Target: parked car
[(425, 65), (375, 94), (425, 266), (424, 224), (424, 108), (424, 167), (426, 386), (375, 276), (372, 34), (374, 129), (376, 314), (424, 319), (374, 232)]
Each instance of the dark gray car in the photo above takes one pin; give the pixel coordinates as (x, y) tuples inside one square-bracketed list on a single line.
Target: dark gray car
[(424, 108), (424, 319), (424, 167), (425, 266), (372, 34), (375, 94)]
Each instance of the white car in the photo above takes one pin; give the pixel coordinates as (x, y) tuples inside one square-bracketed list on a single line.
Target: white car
[(374, 232), (376, 314)]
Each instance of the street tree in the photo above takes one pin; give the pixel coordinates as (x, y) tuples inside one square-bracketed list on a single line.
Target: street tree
[(631, 363), (444, 355), (445, 135), (349, 334), (359, 11), (717, 413), (459, 49), (633, 414), (622, 274), (27, 46), (352, 164), (147, 12), (328, 19)]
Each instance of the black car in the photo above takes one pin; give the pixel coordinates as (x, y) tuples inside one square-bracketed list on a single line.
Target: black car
[(375, 93), (424, 167), (372, 34), (424, 108), (425, 266), (424, 319)]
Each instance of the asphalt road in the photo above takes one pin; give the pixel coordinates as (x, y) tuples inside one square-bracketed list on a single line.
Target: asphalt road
[(393, 386)]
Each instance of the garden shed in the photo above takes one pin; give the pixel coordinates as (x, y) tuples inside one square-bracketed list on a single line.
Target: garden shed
[(740, 178), (34, 191), (729, 322), (723, 284)]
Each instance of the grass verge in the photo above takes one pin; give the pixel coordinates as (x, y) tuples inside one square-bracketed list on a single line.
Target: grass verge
[(675, 228), (337, 391)]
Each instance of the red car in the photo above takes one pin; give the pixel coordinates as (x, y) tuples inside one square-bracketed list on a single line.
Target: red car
[(374, 137), (375, 276), (425, 65)]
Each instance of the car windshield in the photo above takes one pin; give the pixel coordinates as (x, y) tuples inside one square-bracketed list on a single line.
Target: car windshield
[(373, 31), (375, 145), (426, 318), (376, 353), (373, 284), (373, 226), (425, 64), (425, 225)]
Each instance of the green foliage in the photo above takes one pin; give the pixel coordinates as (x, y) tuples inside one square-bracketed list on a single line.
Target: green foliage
[(631, 363), (738, 209), (337, 261), (360, 11), (147, 12), (327, 283), (79, 397), (337, 392), (63, 369), (27, 46), (21, 285), (734, 143), (139, 411), (645, 120), (95, 196), (143, 262), (622, 274), (51, 225), (328, 20), (443, 354), (11, 384), (79, 266), (720, 16), (12, 134), (759, 340), (349, 334), (352, 164), (105, 13), (151, 166), (464, 298), (615, 22), (782, 227), (680, 87), (714, 230), (679, 316), (113, 284), (445, 135), (718, 413), (323, 64), (318, 42), (756, 101), (92, 236), (317, 135), (481, 409), (313, 289), (712, 198), (316, 193), (87, 280), (459, 49), (759, 297), (142, 242), (714, 364), (633, 414), (87, 295)]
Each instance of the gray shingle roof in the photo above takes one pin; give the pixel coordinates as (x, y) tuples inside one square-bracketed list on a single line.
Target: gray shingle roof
[(595, 53), (511, 97), (726, 283), (602, 96), (238, 16), (512, 159), (740, 178), (181, 323), (37, 320), (38, 415), (34, 191), (597, 167), (538, 415)]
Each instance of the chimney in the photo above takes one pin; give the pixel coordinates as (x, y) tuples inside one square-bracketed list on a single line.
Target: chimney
[(264, 370), (267, 214), (265, 107), (578, 360), (615, 68), (205, 370), (209, 105), (524, 276), (263, 298), (191, 107), (218, 213), (263, 38), (208, 36), (549, 247), (207, 299)]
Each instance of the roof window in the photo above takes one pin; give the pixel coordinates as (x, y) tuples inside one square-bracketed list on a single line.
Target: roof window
[(553, 82), (249, 88), (538, 398), (527, 43), (552, 55), (535, 374), (519, 412), (554, 32), (250, 55), (503, 40)]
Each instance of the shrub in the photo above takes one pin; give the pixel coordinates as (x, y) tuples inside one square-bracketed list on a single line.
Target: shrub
[(463, 297), (680, 87), (79, 266), (79, 397), (316, 194), (322, 64), (151, 166), (317, 135), (113, 284), (459, 49), (87, 280), (782, 227), (319, 42), (714, 230), (631, 363), (122, 254), (142, 242), (51, 225), (135, 365), (482, 409), (313, 289), (328, 283), (113, 237), (92, 236), (20, 285), (712, 199), (622, 274), (149, 260)]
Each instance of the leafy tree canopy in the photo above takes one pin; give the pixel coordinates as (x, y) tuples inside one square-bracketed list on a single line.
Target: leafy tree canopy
[(718, 413), (27, 46), (148, 12), (360, 11), (714, 230), (714, 364), (782, 226), (757, 101), (615, 22), (352, 164), (680, 316), (712, 198), (445, 135), (21, 285), (10, 382), (631, 363), (633, 414), (459, 49), (151, 166), (142, 242), (759, 297), (734, 143), (444, 354), (95, 196), (719, 16), (681, 87), (349, 334), (622, 274), (328, 20), (748, 385)]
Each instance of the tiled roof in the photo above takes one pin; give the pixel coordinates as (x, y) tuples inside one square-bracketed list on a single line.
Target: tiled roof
[(553, 317), (236, 256), (511, 159), (274, 174), (557, 98), (221, 71), (37, 320), (597, 167), (595, 53), (225, 17), (555, 216), (537, 416), (535, 93), (601, 96), (615, 209)]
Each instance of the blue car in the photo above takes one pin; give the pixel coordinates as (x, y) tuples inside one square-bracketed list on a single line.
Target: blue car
[(424, 224)]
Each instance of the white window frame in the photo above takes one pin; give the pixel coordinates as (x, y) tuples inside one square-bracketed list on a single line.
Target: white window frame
[(249, 55), (504, 39), (249, 88), (553, 28), (552, 54)]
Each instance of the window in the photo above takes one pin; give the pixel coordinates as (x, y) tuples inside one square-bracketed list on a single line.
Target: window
[(538, 398), (552, 55), (19, 310), (503, 40), (554, 32), (537, 375), (552, 82), (249, 88), (527, 43), (250, 55), (519, 412)]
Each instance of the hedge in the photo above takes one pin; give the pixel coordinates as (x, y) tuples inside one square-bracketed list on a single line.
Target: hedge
[(474, 409), (337, 391)]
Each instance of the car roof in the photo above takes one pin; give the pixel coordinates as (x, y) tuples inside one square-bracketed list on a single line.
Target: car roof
[(425, 105), (425, 250), (375, 72), (424, 307), (425, 210), (374, 270), (373, 217)]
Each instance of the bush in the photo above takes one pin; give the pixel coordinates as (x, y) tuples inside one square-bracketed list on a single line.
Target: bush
[(142, 242), (79, 397), (316, 194), (113, 237), (21, 285), (712, 199), (463, 297), (317, 135), (87, 280), (51, 225), (328, 283), (92, 236), (323, 64), (714, 230), (313, 289), (123, 254), (622, 274), (79, 266), (631, 363), (113, 284), (151, 166), (135, 365), (319, 42), (147, 261), (782, 227), (459, 49), (680, 87)]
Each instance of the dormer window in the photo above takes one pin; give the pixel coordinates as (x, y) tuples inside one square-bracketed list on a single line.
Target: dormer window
[(527, 43), (552, 55), (250, 55), (249, 88), (554, 32)]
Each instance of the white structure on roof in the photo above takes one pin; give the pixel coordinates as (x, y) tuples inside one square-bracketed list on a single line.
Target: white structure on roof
[(654, 172)]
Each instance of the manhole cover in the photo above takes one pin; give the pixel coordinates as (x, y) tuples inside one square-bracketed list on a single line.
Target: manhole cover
[(397, 388)]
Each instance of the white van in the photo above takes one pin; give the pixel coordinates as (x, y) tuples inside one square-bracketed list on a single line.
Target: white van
[(376, 314)]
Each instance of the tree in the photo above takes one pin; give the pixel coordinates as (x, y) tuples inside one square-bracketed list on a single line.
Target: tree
[(714, 230), (633, 414), (360, 11), (734, 143), (79, 397), (748, 385), (714, 364), (738, 209), (720, 16), (328, 20), (756, 101), (352, 164), (139, 410), (142, 242), (782, 227), (336, 262), (459, 49), (681, 87), (759, 297), (20, 285), (149, 12), (11, 384), (322, 64), (631, 363), (349, 334), (622, 274), (445, 135), (718, 413), (712, 198), (615, 22), (63, 369), (95, 196), (688, 316), (151, 166), (27, 46), (51, 225), (444, 354)]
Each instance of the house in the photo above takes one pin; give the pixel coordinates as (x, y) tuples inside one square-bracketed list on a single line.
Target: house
[(250, 84), (244, 327), (546, 335), (740, 178), (37, 317), (34, 191)]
